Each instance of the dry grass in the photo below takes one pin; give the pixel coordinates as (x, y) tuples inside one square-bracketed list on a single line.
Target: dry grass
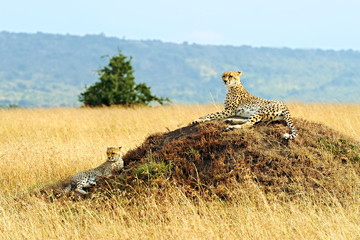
[(343, 118), (44, 145)]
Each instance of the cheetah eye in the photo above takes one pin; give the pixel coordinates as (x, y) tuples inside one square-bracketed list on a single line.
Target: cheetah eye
[(230, 77)]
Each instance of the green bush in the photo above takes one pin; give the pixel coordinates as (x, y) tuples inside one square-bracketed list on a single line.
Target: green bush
[(117, 86)]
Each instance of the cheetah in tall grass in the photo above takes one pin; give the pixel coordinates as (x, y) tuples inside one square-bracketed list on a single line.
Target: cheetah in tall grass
[(250, 109), (88, 178)]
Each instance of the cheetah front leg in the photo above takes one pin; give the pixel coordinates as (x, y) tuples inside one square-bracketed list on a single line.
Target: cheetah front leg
[(217, 115)]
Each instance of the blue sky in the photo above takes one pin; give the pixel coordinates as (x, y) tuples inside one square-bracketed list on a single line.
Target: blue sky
[(331, 24)]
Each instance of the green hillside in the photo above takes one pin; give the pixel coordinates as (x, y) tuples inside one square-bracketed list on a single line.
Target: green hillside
[(51, 70)]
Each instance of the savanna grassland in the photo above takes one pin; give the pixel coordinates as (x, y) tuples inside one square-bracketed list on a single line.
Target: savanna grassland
[(39, 147)]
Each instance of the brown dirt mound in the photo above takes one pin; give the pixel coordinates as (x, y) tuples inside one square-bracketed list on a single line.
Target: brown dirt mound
[(205, 160)]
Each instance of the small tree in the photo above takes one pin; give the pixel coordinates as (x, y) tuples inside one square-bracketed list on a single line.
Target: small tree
[(117, 86)]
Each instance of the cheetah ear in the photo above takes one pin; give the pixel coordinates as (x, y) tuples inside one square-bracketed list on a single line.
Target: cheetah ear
[(240, 72)]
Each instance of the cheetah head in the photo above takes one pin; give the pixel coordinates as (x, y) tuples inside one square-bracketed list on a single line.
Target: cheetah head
[(113, 154), (231, 78)]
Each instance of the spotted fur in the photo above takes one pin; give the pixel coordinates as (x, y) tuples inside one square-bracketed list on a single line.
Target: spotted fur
[(88, 178), (250, 109)]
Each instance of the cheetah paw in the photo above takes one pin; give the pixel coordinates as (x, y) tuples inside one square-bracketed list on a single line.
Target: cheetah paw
[(286, 136), (199, 120), (195, 121), (229, 128)]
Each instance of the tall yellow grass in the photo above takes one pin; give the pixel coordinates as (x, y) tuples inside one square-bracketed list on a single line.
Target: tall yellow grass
[(38, 146)]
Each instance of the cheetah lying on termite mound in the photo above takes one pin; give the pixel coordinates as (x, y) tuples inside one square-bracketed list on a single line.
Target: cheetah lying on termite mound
[(88, 178), (240, 103)]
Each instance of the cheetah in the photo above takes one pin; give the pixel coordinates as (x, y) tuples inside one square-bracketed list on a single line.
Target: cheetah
[(88, 178), (250, 109)]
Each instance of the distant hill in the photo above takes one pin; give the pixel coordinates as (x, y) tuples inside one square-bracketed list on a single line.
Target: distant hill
[(51, 70)]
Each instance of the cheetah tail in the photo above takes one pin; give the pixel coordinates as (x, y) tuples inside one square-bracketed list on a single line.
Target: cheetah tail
[(290, 124), (292, 135), (66, 190), (59, 193)]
